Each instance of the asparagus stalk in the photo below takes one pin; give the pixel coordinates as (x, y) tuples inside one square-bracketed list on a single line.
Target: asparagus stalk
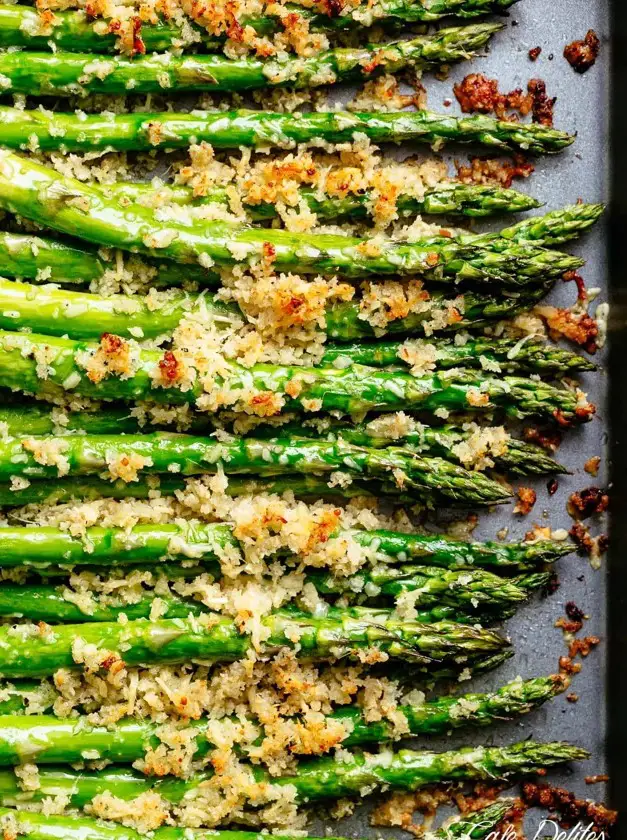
[(450, 198), (533, 355), (20, 26), (60, 312), (65, 204), (41, 547), (91, 488), (71, 73), (37, 826), (553, 228), (29, 651), (474, 592), (476, 826), (518, 457), (42, 602), (50, 604), (432, 478), (470, 590), (46, 739), (53, 311), (353, 390), (316, 779), (34, 826), (263, 129), (42, 259)]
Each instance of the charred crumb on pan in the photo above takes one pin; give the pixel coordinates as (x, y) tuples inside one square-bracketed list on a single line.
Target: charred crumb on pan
[(574, 619), (577, 279), (552, 486), (542, 105), (534, 53), (588, 502), (486, 170), (476, 93), (570, 809), (579, 327), (574, 612), (572, 697), (594, 547), (526, 500), (548, 439), (582, 55), (592, 465), (577, 647), (598, 778)]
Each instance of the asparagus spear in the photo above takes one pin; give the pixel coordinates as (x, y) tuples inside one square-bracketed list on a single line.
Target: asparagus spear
[(42, 259), (37, 826), (432, 478), (46, 739), (533, 355), (518, 457), (353, 390), (41, 547), (475, 826), (70, 73), (42, 602), (65, 204), (470, 590), (34, 826), (263, 129), (48, 603), (473, 591), (553, 228), (451, 198), (21, 26), (27, 651), (316, 779)]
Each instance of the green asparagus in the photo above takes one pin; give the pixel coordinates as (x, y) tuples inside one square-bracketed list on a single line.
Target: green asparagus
[(474, 592), (21, 26), (354, 390), (71, 73), (42, 602), (54, 604), (53, 311), (509, 454), (315, 779), (36, 826), (433, 479), (40, 547), (553, 228), (531, 355), (65, 204), (262, 129), (476, 825), (428, 585), (49, 260), (450, 198), (27, 651), (46, 739)]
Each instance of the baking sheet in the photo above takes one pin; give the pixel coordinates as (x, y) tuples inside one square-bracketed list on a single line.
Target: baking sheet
[(580, 172)]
